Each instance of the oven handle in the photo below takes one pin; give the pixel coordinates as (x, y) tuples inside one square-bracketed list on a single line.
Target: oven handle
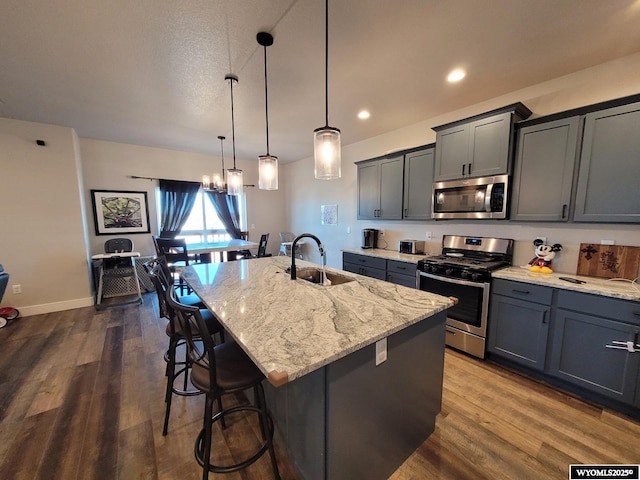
[(455, 280)]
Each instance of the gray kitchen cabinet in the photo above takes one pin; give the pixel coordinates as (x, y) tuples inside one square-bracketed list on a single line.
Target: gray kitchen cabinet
[(394, 271), (366, 265), (477, 147), (380, 184), (607, 189), (585, 328), (418, 178), (402, 273), (543, 170), (519, 319)]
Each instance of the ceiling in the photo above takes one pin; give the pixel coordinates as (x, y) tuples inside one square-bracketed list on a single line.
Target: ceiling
[(151, 72)]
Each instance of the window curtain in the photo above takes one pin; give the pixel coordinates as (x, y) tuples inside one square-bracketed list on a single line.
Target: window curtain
[(176, 200), (227, 208)]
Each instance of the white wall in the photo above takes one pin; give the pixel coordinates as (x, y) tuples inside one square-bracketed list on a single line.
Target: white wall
[(43, 242), (109, 166), (608, 81)]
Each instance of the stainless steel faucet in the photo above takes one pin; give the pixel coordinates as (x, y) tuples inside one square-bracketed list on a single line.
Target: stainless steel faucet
[(293, 251)]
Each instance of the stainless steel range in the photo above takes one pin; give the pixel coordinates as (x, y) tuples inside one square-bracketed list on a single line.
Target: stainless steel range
[(463, 270)]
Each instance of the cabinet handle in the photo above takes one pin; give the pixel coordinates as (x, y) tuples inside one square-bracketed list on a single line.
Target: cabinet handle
[(469, 169), (564, 211), (463, 167), (524, 292), (450, 332), (406, 212), (544, 318), (401, 268), (637, 314)]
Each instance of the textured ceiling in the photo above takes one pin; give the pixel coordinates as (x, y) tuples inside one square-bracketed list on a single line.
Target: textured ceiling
[(151, 72)]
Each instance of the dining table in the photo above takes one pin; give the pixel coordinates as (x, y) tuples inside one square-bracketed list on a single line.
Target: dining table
[(220, 247)]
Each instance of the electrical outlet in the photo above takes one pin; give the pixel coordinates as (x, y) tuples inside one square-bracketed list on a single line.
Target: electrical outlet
[(607, 242), (544, 239), (381, 351), (17, 289), (428, 235), (348, 229)]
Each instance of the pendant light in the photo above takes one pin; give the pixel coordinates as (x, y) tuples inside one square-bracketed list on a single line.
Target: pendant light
[(326, 144), (233, 174), (216, 183), (267, 164)]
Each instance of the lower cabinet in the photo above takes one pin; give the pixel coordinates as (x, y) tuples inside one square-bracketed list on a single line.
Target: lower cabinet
[(394, 271), (519, 325), (586, 332), (579, 341), (402, 273)]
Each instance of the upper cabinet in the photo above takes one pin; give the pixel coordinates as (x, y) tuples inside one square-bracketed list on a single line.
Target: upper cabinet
[(543, 171), (380, 188), (418, 178), (479, 146), (396, 186), (607, 189)]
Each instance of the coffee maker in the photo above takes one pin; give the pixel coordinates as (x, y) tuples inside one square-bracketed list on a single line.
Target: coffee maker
[(369, 238)]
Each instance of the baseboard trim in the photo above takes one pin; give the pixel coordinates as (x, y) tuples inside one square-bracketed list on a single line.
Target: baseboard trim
[(30, 310)]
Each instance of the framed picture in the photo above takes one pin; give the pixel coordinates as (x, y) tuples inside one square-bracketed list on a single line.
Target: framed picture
[(328, 214), (118, 212)]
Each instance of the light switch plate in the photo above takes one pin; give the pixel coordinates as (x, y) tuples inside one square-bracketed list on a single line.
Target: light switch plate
[(381, 351)]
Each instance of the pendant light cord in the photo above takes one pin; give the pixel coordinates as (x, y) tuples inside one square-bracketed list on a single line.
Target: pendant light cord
[(222, 153), (233, 126), (326, 62), (266, 97)]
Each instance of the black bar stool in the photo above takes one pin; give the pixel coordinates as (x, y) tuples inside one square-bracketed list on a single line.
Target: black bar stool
[(218, 370)]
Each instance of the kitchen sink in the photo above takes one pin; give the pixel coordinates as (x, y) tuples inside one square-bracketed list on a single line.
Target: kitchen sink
[(314, 275)]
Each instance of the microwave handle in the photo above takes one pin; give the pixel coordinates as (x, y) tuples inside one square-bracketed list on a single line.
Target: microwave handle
[(487, 197)]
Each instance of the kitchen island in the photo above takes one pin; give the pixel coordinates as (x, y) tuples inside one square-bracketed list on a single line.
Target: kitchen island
[(337, 413)]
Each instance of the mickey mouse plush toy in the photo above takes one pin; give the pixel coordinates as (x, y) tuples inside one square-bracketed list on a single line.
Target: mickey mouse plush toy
[(544, 255)]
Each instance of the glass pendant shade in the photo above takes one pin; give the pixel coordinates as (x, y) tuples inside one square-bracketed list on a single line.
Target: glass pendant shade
[(234, 176), (326, 152), (268, 172), (206, 182), (218, 184)]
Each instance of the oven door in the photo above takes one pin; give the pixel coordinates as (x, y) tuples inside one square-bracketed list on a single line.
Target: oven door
[(471, 311)]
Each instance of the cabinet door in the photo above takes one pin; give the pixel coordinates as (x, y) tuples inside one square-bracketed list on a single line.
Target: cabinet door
[(607, 188), (368, 190), (579, 354), (391, 178), (543, 174), (519, 330), (452, 152), (418, 182), (489, 146), (398, 279)]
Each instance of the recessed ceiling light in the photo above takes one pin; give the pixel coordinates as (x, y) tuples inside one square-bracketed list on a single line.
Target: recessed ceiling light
[(363, 114), (456, 75)]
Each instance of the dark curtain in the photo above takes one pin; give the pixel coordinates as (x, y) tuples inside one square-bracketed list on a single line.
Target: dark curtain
[(227, 208), (176, 200)]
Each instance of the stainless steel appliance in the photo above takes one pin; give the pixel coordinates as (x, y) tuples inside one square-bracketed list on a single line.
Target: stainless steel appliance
[(463, 270), (369, 238), (411, 246), (484, 197)]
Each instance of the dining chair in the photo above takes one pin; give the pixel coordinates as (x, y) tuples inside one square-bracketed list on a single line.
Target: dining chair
[(218, 370), (175, 251)]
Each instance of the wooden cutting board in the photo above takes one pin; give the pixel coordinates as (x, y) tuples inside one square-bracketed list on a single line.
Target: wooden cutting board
[(608, 261)]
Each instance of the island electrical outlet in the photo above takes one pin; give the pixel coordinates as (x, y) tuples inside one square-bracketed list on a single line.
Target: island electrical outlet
[(381, 351)]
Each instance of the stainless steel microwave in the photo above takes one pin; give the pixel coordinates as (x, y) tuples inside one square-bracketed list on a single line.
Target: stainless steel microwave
[(484, 197)]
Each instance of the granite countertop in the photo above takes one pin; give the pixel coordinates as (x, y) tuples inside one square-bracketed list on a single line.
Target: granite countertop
[(597, 286), (290, 328), (390, 254)]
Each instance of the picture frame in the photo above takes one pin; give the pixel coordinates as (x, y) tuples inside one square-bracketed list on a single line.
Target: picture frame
[(117, 212), (328, 214)]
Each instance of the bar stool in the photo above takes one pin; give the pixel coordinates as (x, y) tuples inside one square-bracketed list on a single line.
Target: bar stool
[(162, 285), (218, 370)]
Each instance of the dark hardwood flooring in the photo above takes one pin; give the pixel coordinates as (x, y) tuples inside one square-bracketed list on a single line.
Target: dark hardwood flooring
[(81, 397)]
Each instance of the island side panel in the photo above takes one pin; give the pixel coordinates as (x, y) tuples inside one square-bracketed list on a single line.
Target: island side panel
[(377, 416), (298, 411)]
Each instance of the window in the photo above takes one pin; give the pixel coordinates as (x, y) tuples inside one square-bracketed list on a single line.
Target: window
[(204, 225)]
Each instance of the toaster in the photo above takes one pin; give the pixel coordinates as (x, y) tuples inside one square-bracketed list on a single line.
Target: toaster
[(412, 246)]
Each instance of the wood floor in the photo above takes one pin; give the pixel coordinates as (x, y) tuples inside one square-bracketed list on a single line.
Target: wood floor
[(81, 397)]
